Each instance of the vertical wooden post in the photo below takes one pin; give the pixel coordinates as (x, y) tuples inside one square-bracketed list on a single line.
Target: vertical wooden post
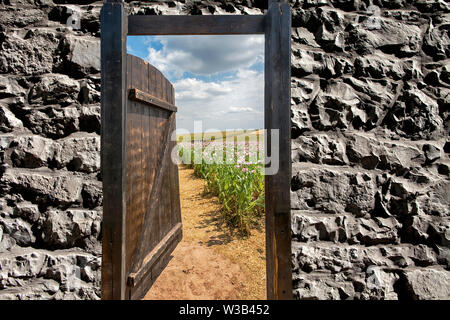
[(277, 100), (113, 20)]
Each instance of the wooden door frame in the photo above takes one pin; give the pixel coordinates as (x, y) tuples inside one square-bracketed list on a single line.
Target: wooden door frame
[(116, 25)]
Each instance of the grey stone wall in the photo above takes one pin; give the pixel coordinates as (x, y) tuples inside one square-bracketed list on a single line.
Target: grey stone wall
[(370, 149), (50, 193)]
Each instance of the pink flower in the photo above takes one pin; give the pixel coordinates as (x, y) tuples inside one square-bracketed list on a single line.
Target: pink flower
[(244, 169)]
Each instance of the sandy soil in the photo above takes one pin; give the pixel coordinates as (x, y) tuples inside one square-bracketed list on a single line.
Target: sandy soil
[(210, 263)]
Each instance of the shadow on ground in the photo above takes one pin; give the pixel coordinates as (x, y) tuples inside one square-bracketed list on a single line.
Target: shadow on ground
[(216, 219)]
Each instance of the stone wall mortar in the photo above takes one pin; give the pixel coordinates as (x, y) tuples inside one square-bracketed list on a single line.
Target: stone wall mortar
[(370, 101)]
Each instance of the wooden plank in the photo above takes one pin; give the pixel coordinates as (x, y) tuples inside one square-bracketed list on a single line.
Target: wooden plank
[(140, 202), (174, 186), (283, 180), (268, 181), (195, 25), (113, 147), (147, 154), (170, 198), (140, 78), (134, 217), (151, 238), (130, 188), (129, 70), (152, 84), (137, 73), (156, 194), (164, 88), (151, 274), (154, 146), (149, 70), (141, 96), (135, 277), (277, 116), (168, 92), (158, 93), (129, 172), (172, 94), (174, 183), (162, 194), (165, 200), (135, 214), (145, 77)]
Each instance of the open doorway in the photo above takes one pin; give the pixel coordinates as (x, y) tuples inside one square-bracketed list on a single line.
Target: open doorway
[(129, 265), (219, 92)]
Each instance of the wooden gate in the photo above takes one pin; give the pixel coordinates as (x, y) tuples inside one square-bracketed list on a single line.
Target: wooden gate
[(153, 219), (141, 214)]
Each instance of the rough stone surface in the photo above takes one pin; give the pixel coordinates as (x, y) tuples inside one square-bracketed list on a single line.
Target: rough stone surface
[(80, 55), (370, 127), (427, 284), (54, 89)]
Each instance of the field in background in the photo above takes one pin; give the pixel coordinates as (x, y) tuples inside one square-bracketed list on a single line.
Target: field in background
[(239, 185), (240, 135), (210, 262)]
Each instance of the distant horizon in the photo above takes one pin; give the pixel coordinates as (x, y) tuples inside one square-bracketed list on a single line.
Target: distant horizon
[(221, 131), (217, 79)]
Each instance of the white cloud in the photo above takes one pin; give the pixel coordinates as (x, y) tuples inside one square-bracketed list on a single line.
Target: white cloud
[(228, 104), (241, 109), (190, 89), (206, 55), (234, 100)]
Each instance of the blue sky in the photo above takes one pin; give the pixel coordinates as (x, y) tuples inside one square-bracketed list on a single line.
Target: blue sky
[(217, 79)]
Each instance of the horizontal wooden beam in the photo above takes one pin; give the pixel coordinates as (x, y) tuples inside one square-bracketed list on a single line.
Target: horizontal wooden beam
[(173, 235), (139, 25), (144, 97)]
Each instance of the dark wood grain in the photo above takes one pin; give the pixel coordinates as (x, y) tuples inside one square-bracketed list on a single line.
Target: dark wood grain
[(137, 163), (155, 201), (135, 152), (134, 278), (141, 96), (129, 171), (163, 89), (195, 25), (114, 24), (173, 95), (277, 116), (152, 77), (151, 274), (152, 209)]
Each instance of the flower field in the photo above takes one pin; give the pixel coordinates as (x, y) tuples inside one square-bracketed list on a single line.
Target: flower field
[(234, 173)]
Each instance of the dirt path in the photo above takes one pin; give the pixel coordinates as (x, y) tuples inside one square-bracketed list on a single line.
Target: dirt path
[(209, 263)]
